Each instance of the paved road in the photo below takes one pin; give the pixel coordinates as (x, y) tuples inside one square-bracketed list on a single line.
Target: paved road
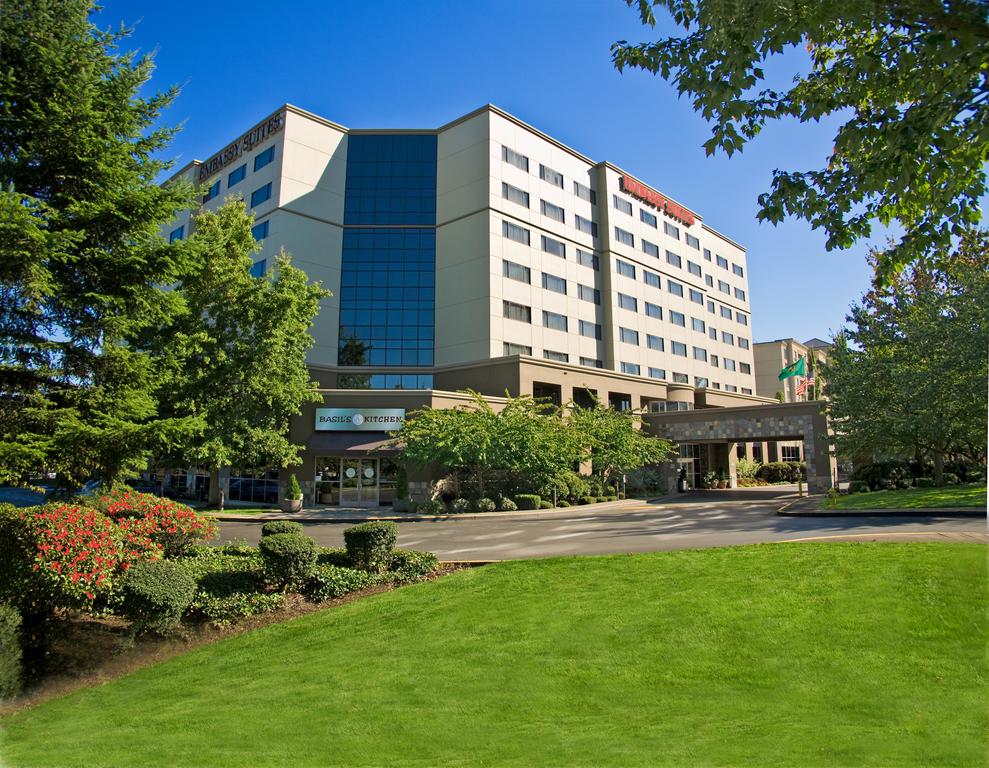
[(696, 520)]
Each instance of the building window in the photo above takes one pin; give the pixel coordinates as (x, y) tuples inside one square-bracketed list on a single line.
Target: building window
[(652, 279), (236, 175), (697, 324), (728, 338), (740, 294), (743, 343), (697, 297), (648, 218), (654, 310), (694, 269), (710, 307), (725, 312), (589, 329), (708, 281), (631, 368), (258, 196), (554, 321), (741, 318), (584, 192), (513, 311), (692, 241), (746, 391), (586, 259), (628, 302), (681, 378), (260, 231), (678, 348), (650, 248), (628, 336), (591, 362), (700, 354), (655, 342), (559, 357), (626, 238), (515, 232), (707, 254), (213, 191), (586, 226), (738, 270), (715, 361), (554, 246), (677, 318), (657, 373), (675, 288), (554, 283), (176, 234), (551, 211), (728, 363), (724, 287), (722, 262), (512, 157), (514, 271), (671, 230), (700, 382), (258, 268), (621, 205), (712, 333), (553, 177), (744, 368), (516, 349), (515, 195), (731, 388), (261, 160), (672, 258), (624, 268), (587, 293)]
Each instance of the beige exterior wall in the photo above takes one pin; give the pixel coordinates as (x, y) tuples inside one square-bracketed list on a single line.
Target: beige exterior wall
[(773, 356)]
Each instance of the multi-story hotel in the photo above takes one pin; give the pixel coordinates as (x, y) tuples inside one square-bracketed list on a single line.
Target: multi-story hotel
[(487, 255)]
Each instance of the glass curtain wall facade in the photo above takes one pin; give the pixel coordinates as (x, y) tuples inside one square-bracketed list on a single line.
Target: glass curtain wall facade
[(387, 285)]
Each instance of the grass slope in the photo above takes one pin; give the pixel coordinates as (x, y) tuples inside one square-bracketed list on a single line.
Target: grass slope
[(783, 655), (915, 498)]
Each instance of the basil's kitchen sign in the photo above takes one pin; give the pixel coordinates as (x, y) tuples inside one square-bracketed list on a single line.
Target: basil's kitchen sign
[(359, 419)]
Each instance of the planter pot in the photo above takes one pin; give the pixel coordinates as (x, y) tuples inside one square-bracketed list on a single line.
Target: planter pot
[(722, 483), (290, 505), (326, 498)]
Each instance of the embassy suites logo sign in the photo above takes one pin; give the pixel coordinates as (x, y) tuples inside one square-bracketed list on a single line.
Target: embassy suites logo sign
[(359, 419), (242, 146), (650, 196)]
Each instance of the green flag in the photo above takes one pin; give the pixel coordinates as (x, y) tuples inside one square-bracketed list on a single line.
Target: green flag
[(794, 369)]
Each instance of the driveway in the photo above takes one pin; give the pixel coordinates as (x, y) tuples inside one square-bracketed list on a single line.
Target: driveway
[(697, 519)]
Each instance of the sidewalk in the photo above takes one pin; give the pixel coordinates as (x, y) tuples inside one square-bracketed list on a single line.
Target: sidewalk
[(811, 506), (363, 515)]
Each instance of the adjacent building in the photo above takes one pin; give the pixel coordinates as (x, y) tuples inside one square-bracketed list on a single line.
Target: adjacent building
[(771, 357), (483, 254)]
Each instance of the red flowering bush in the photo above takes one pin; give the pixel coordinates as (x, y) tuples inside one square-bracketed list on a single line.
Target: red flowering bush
[(172, 526), (77, 556)]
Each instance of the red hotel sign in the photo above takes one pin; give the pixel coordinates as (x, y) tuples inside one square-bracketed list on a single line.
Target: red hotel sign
[(653, 198)]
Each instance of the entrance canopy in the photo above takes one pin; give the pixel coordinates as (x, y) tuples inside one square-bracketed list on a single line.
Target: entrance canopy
[(352, 444)]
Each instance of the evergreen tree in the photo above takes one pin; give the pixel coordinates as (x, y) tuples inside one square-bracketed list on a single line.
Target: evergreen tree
[(82, 264)]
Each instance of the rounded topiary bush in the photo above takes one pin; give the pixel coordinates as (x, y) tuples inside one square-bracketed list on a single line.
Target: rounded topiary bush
[(527, 501), (460, 506), (156, 594), (486, 505), (545, 504), (858, 486), (601, 499), (587, 500), (281, 526), (288, 558), (613, 497), (924, 482), (562, 503), (507, 505), (431, 507), (369, 545)]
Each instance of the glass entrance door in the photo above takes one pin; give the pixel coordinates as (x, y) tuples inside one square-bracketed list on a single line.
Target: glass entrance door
[(359, 483)]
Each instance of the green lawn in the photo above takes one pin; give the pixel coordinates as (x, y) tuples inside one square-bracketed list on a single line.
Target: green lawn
[(914, 498), (820, 654)]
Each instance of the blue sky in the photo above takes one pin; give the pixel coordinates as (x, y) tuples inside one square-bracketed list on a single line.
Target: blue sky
[(421, 64)]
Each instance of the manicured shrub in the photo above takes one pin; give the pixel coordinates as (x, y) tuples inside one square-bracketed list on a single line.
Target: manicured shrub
[(882, 475), (527, 501), (562, 503), (369, 545), (600, 499), (924, 482), (408, 565), (587, 500), (950, 478), (172, 526), (746, 468), (10, 652), (545, 504), (459, 506), (612, 498), (775, 472), (293, 490), (431, 507), (329, 581), (156, 594), (621, 496), (486, 505), (281, 526), (858, 486), (507, 505), (224, 609), (288, 559), (568, 485)]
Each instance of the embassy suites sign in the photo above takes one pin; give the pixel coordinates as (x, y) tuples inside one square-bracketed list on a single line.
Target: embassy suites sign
[(242, 146), (651, 197)]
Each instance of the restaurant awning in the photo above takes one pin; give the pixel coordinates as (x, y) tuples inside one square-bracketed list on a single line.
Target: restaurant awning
[(353, 444)]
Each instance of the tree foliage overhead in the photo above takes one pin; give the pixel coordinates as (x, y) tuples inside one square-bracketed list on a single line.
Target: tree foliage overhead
[(911, 76), (82, 264), (908, 376)]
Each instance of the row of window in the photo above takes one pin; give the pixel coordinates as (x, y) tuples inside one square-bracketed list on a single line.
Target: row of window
[(548, 209), (548, 174), (239, 173), (548, 244), (631, 303)]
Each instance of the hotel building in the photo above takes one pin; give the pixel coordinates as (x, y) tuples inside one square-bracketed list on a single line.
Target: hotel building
[(483, 254)]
